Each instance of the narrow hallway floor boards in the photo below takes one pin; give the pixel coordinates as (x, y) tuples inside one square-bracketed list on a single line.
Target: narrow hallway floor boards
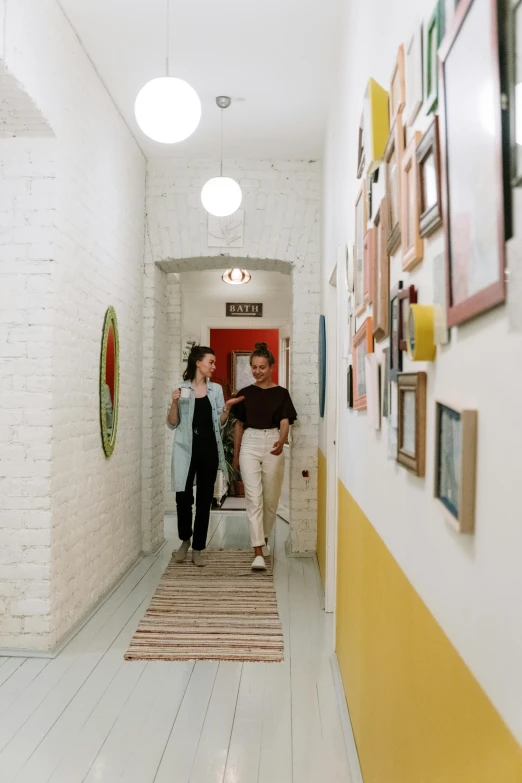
[(88, 716)]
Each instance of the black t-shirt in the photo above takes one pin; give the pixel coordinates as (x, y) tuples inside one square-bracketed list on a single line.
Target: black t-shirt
[(263, 409)]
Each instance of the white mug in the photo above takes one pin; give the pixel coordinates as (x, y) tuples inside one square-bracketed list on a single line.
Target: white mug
[(185, 393)]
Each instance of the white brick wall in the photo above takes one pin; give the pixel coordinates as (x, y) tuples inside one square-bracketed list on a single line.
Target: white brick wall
[(79, 527), (282, 205)]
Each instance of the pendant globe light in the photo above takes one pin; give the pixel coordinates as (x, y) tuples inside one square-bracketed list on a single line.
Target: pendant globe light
[(236, 277), (221, 196), (167, 109)]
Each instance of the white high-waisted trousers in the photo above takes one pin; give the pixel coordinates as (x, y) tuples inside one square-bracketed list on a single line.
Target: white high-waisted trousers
[(262, 475)]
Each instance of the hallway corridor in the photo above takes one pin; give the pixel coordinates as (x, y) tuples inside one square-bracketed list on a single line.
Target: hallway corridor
[(89, 716)]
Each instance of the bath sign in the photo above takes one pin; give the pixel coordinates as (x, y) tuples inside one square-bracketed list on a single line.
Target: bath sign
[(252, 310)]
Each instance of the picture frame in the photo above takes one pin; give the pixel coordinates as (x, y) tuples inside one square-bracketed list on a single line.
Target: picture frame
[(433, 35), (376, 125), (349, 387), (381, 274), (473, 203), (373, 390), (369, 265), (411, 441), (240, 371), (393, 158), (349, 268), (360, 231), (361, 158), (414, 75), (397, 94), (362, 346), (386, 384), (395, 324), (407, 297), (515, 58), (455, 464), (428, 181), (322, 365), (412, 242)]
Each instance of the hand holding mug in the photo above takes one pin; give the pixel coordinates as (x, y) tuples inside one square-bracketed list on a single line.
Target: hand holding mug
[(176, 394)]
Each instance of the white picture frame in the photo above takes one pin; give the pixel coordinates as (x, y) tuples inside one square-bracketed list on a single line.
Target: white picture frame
[(414, 75), (373, 390)]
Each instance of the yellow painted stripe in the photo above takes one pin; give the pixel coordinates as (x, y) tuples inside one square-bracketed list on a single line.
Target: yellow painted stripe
[(321, 515), (419, 715)]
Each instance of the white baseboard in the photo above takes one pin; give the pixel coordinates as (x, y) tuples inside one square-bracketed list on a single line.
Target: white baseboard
[(64, 641), (349, 739)]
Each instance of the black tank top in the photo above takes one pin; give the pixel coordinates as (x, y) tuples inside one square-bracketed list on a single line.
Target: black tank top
[(202, 421)]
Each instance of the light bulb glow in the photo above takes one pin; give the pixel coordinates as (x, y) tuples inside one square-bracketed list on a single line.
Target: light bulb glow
[(221, 196), (167, 110), (236, 277)]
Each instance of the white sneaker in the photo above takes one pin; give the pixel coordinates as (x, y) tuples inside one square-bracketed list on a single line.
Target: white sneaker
[(259, 564), (266, 550)]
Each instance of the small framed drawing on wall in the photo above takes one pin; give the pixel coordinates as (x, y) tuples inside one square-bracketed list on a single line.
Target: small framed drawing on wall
[(411, 442), (362, 346), (393, 157), (455, 464), (428, 181), (412, 243), (395, 332), (381, 274), (358, 267)]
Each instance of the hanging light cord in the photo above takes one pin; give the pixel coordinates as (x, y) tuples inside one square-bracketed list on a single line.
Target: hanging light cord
[(221, 143), (168, 36)]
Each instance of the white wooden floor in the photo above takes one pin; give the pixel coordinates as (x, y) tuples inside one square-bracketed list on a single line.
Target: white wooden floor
[(89, 716)]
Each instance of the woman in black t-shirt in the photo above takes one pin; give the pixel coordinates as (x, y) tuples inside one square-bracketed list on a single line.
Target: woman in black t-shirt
[(263, 421)]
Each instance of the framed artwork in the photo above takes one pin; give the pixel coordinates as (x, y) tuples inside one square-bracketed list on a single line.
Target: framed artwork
[(349, 268), (241, 372), (433, 34), (373, 390), (349, 387), (322, 365), (515, 24), (397, 87), (360, 231), (455, 464), (413, 68), (381, 274), (407, 297), (412, 242), (395, 332), (362, 346), (428, 181), (472, 173), (411, 441), (393, 158), (376, 125), (368, 252), (385, 384), (109, 381), (360, 149)]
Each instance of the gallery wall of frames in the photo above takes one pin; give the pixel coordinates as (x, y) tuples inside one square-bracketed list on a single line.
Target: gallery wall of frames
[(453, 180)]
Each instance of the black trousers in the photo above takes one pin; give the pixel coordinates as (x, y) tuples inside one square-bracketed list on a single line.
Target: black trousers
[(204, 466)]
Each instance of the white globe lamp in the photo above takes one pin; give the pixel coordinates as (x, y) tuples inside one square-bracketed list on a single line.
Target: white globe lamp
[(221, 196), (167, 109)]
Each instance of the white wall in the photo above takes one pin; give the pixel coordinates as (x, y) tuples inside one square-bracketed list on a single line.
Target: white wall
[(95, 531), (471, 584)]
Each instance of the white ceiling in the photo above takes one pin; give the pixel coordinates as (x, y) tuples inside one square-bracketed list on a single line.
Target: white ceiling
[(275, 55)]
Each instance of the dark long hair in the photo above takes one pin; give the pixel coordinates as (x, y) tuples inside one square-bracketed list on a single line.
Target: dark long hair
[(262, 351), (197, 353)]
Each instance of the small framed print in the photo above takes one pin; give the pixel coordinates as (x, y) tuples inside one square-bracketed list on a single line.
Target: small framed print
[(433, 34), (241, 370), (349, 387), (397, 87), (360, 151), (413, 67), (395, 333), (428, 181), (412, 242), (411, 441), (407, 297), (360, 231), (369, 264), (455, 464), (393, 158), (381, 274), (362, 346)]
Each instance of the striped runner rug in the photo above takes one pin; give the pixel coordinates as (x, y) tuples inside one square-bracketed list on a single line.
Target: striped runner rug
[(224, 612)]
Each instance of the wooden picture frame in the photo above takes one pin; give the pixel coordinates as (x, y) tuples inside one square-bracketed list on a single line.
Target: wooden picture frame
[(381, 274), (362, 345), (411, 441), (473, 215), (237, 369), (412, 242), (428, 181), (373, 390), (407, 297), (394, 320), (393, 159), (397, 94), (413, 75), (109, 389), (361, 157), (455, 464), (369, 265), (433, 34), (358, 267)]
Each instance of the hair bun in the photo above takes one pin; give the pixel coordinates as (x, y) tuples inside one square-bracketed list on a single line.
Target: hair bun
[(261, 346)]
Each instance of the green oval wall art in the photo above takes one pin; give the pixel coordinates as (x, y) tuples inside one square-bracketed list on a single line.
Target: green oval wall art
[(109, 381)]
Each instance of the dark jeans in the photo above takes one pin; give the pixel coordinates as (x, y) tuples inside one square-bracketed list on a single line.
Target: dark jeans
[(203, 465)]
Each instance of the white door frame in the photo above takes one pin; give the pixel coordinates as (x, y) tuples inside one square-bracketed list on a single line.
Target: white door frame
[(332, 370)]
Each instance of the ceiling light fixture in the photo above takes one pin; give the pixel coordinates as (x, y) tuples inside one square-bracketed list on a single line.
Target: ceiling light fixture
[(221, 196), (167, 109), (236, 276)]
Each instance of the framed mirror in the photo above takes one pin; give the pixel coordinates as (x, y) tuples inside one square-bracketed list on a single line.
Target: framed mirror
[(109, 381)]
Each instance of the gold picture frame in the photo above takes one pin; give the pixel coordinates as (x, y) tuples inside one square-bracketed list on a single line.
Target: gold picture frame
[(411, 441), (238, 371), (109, 381), (412, 242)]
